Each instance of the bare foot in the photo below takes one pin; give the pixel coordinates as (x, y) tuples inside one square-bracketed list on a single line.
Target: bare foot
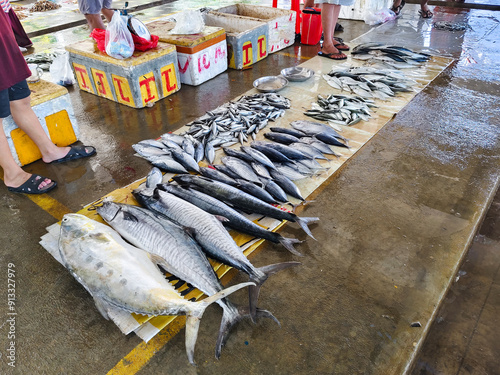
[(56, 153)]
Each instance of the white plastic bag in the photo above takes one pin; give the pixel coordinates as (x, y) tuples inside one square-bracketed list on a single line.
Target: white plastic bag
[(379, 16), (188, 22), (119, 42), (61, 72)]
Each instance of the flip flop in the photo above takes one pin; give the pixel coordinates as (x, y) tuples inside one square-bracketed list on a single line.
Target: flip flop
[(341, 46), (397, 10), (75, 152), (425, 13), (333, 56), (32, 184)]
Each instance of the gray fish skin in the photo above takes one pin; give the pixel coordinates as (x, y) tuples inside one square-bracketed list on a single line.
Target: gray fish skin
[(311, 128), (269, 152), (241, 168), (258, 156), (256, 191), (287, 185), (292, 171), (235, 220), (118, 274), (319, 145), (283, 138), (275, 190), (260, 169), (227, 171), (242, 200), (289, 152), (308, 150), (167, 164), (154, 177), (186, 160), (214, 174), (211, 235), (294, 132), (330, 139), (238, 154), (176, 252)]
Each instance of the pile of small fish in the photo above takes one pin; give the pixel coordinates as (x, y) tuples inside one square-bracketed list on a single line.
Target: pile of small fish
[(341, 109), (43, 6), (398, 57), (237, 121), (369, 82), (451, 26)]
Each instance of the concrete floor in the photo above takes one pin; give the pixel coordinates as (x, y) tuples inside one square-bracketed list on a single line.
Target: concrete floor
[(395, 225)]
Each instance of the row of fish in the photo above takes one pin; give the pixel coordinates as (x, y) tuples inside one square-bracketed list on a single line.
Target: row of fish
[(394, 56), (341, 109), (369, 82), (238, 121)]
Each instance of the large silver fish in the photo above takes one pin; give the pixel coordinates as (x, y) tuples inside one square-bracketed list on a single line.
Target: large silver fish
[(208, 231), (176, 252), (119, 275)]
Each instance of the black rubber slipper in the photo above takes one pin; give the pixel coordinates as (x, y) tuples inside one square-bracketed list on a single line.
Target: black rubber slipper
[(341, 46), (31, 186), (75, 152), (331, 56)]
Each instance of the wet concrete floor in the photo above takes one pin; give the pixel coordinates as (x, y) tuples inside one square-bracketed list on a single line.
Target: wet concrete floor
[(395, 224)]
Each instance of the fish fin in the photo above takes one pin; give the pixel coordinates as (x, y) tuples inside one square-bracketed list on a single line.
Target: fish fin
[(304, 221), (190, 231), (101, 307), (221, 218), (258, 278), (193, 318), (231, 316), (288, 244)]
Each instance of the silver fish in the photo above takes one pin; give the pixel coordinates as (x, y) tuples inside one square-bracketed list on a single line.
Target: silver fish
[(154, 177), (118, 274)]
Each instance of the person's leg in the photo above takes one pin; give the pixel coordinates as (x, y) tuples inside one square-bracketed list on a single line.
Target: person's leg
[(25, 118), (108, 13), (308, 3), (425, 12), (13, 174), (95, 21), (329, 17)]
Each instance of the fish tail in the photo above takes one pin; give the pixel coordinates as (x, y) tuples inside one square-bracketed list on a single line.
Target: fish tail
[(304, 221), (231, 316), (303, 203), (194, 317), (288, 244), (261, 275)]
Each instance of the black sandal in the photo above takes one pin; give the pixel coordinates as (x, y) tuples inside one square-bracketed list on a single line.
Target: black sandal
[(32, 184), (425, 13), (76, 152), (397, 10)]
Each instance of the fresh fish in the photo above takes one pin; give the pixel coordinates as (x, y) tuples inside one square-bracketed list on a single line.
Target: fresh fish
[(217, 175), (238, 154), (270, 153), (188, 147), (275, 190), (256, 191), (167, 164), (260, 170), (208, 231), (209, 152), (292, 172), (242, 200), (154, 177), (152, 143), (258, 156), (241, 168), (319, 145), (176, 252), (293, 132), (118, 274), (283, 138), (311, 128), (235, 220), (186, 160), (227, 171), (147, 151), (308, 150), (289, 152), (286, 184)]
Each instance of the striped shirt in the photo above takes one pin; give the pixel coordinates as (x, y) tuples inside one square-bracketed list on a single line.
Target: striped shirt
[(5, 5)]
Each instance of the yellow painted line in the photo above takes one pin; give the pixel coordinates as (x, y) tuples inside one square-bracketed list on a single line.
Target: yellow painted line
[(142, 353), (50, 205), (293, 55)]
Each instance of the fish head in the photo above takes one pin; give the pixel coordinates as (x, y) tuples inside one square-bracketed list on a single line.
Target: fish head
[(143, 195), (74, 226), (183, 179), (108, 211)]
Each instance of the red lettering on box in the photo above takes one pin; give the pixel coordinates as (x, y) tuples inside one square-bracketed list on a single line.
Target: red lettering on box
[(146, 83), (166, 75), (119, 84), (83, 73)]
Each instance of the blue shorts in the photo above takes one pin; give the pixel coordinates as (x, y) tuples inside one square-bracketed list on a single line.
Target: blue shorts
[(93, 6), (16, 92)]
